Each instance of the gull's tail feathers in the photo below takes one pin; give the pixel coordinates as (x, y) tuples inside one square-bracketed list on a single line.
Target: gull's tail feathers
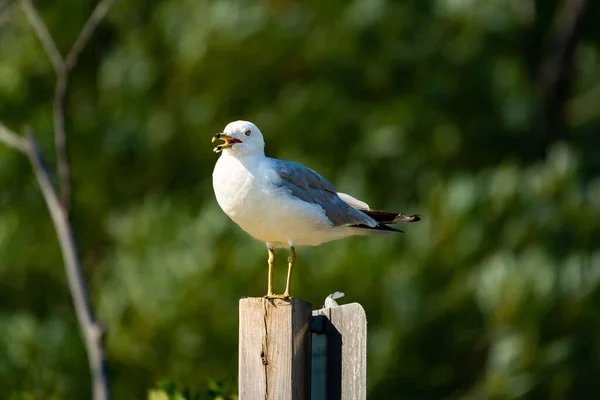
[(385, 217)]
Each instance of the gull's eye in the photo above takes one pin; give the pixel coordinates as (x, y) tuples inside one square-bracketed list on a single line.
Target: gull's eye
[(248, 132)]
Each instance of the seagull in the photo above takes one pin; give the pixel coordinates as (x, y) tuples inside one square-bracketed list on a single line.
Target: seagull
[(286, 204)]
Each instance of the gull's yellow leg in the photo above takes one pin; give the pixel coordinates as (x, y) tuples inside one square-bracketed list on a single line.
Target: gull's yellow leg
[(271, 270), (291, 261)]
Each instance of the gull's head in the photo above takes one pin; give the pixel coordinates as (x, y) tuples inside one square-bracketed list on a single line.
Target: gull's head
[(240, 138)]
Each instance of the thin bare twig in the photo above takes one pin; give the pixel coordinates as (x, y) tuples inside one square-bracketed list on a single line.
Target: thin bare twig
[(60, 98), (91, 330), (43, 35), (556, 72), (13, 140), (59, 209), (566, 34), (7, 4), (87, 31), (6, 9)]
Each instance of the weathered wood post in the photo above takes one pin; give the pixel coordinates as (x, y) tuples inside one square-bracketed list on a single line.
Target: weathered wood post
[(285, 354), (339, 353), (274, 349)]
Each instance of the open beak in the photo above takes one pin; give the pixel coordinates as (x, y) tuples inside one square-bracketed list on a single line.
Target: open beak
[(228, 141)]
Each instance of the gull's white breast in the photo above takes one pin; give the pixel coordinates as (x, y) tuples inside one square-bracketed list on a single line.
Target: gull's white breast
[(246, 191)]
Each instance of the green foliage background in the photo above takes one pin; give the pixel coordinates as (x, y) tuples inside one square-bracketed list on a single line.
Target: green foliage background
[(423, 106)]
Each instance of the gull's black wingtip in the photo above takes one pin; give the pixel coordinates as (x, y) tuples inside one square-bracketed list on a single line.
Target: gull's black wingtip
[(386, 217)]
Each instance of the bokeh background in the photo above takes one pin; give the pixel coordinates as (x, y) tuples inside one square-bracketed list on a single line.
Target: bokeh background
[(482, 116)]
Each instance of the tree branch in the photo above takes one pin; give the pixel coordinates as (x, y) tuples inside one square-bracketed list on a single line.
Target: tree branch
[(567, 29), (87, 31), (43, 35), (556, 72), (91, 330), (60, 98), (13, 140), (59, 210), (6, 9)]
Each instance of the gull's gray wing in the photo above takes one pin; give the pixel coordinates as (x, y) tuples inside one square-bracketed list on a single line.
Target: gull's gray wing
[(307, 185)]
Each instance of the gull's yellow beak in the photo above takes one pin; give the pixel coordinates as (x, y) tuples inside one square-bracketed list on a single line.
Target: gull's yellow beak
[(228, 141)]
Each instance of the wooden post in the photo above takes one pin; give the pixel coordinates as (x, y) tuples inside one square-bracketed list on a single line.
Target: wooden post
[(274, 349), (339, 353)]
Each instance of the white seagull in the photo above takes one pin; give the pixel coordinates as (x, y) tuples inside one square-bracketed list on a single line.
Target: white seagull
[(286, 204)]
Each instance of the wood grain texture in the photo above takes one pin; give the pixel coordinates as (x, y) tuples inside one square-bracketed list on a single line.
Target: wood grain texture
[(274, 349), (346, 333)]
